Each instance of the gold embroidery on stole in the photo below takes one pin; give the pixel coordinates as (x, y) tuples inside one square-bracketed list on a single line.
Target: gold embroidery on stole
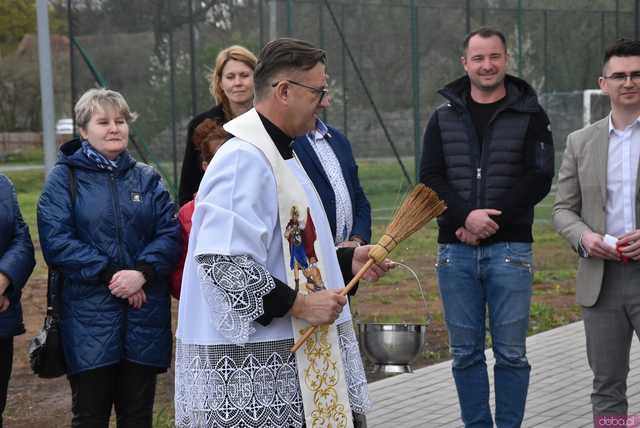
[(320, 371)]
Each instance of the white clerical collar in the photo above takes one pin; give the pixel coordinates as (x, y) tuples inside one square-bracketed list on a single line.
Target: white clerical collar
[(625, 130)]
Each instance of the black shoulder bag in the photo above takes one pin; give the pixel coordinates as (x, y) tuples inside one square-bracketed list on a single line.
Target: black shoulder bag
[(46, 355)]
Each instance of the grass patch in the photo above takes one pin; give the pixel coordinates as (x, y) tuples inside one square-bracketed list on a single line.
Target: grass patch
[(28, 188), (33, 155), (385, 186), (553, 276), (28, 181), (163, 416), (396, 298), (544, 317), (554, 261)]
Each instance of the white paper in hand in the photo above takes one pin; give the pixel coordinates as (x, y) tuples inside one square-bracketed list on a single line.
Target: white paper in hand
[(611, 241)]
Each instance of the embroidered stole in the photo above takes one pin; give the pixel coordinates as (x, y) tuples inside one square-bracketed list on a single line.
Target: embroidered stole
[(320, 371)]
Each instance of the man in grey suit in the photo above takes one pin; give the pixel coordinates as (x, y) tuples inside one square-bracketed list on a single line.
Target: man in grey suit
[(598, 196)]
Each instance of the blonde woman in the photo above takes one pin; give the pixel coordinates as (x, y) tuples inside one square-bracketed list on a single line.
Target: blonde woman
[(232, 89)]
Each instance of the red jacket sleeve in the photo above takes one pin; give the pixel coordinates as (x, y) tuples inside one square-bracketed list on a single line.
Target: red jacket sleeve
[(184, 217)]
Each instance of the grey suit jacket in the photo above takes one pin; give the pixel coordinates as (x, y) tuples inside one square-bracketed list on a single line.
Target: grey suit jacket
[(581, 200)]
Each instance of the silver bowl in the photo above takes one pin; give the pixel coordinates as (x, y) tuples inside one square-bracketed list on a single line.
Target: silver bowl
[(392, 347)]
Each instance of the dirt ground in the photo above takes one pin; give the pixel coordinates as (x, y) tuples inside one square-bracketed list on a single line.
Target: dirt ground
[(45, 403), (36, 403)]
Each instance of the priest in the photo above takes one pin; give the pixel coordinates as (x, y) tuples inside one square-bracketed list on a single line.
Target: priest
[(262, 267)]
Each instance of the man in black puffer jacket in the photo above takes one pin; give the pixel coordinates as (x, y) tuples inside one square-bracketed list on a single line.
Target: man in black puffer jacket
[(488, 153)]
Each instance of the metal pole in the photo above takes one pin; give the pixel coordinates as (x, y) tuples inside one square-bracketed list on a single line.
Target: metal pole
[(636, 19), (520, 38), (289, 17), (345, 123), (367, 93), (415, 83), (467, 15), (46, 85), (273, 20), (602, 34), (72, 63), (194, 60), (617, 19), (261, 22), (545, 51), (322, 42), (172, 102), (321, 24)]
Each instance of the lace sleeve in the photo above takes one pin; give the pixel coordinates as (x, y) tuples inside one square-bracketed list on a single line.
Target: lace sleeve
[(233, 287)]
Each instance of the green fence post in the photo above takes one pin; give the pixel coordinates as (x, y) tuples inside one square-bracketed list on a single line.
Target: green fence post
[(545, 51), (468, 16), (520, 66), (261, 23), (72, 66), (193, 63), (345, 110), (321, 42), (636, 19), (289, 18), (172, 101), (617, 19), (415, 85)]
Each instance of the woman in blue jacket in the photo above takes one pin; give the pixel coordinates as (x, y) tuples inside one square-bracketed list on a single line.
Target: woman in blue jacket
[(16, 264), (108, 224)]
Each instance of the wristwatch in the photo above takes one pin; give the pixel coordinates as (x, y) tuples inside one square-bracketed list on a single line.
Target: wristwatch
[(357, 239), (582, 252)]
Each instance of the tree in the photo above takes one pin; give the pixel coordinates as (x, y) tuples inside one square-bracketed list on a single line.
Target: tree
[(18, 18)]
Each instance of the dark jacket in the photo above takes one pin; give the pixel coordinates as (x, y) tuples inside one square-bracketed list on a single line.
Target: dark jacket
[(16, 257), (122, 219), (191, 173), (311, 164), (510, 170)]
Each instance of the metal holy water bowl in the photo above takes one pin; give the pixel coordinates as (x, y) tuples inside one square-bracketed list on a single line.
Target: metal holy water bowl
[(392, 347)]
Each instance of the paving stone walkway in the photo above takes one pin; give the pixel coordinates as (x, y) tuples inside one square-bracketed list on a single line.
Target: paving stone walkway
[(558, 394)]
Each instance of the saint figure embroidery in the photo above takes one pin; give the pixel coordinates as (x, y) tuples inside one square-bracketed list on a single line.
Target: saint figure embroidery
[(301, 240)]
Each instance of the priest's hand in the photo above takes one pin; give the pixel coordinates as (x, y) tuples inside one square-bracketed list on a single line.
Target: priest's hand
[(322, 307), (377, 270)]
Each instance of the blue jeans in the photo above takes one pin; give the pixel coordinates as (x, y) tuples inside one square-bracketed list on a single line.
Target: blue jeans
[(472, 279)]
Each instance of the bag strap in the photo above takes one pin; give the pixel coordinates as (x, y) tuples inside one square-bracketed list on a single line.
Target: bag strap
[(55, 279), (72, 184)]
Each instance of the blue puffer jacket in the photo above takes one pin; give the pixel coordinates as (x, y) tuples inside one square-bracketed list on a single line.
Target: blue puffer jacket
[(123, 219), (16, 257)]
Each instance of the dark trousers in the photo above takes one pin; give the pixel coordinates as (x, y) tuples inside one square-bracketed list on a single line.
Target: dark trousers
[(128, 386), (6, 361), (609, 327)]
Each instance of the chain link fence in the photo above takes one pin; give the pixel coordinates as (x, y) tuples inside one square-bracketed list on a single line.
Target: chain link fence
[(387, 59)]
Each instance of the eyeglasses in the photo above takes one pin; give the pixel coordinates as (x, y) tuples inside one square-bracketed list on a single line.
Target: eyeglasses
[(622, 77), (322, 91)]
